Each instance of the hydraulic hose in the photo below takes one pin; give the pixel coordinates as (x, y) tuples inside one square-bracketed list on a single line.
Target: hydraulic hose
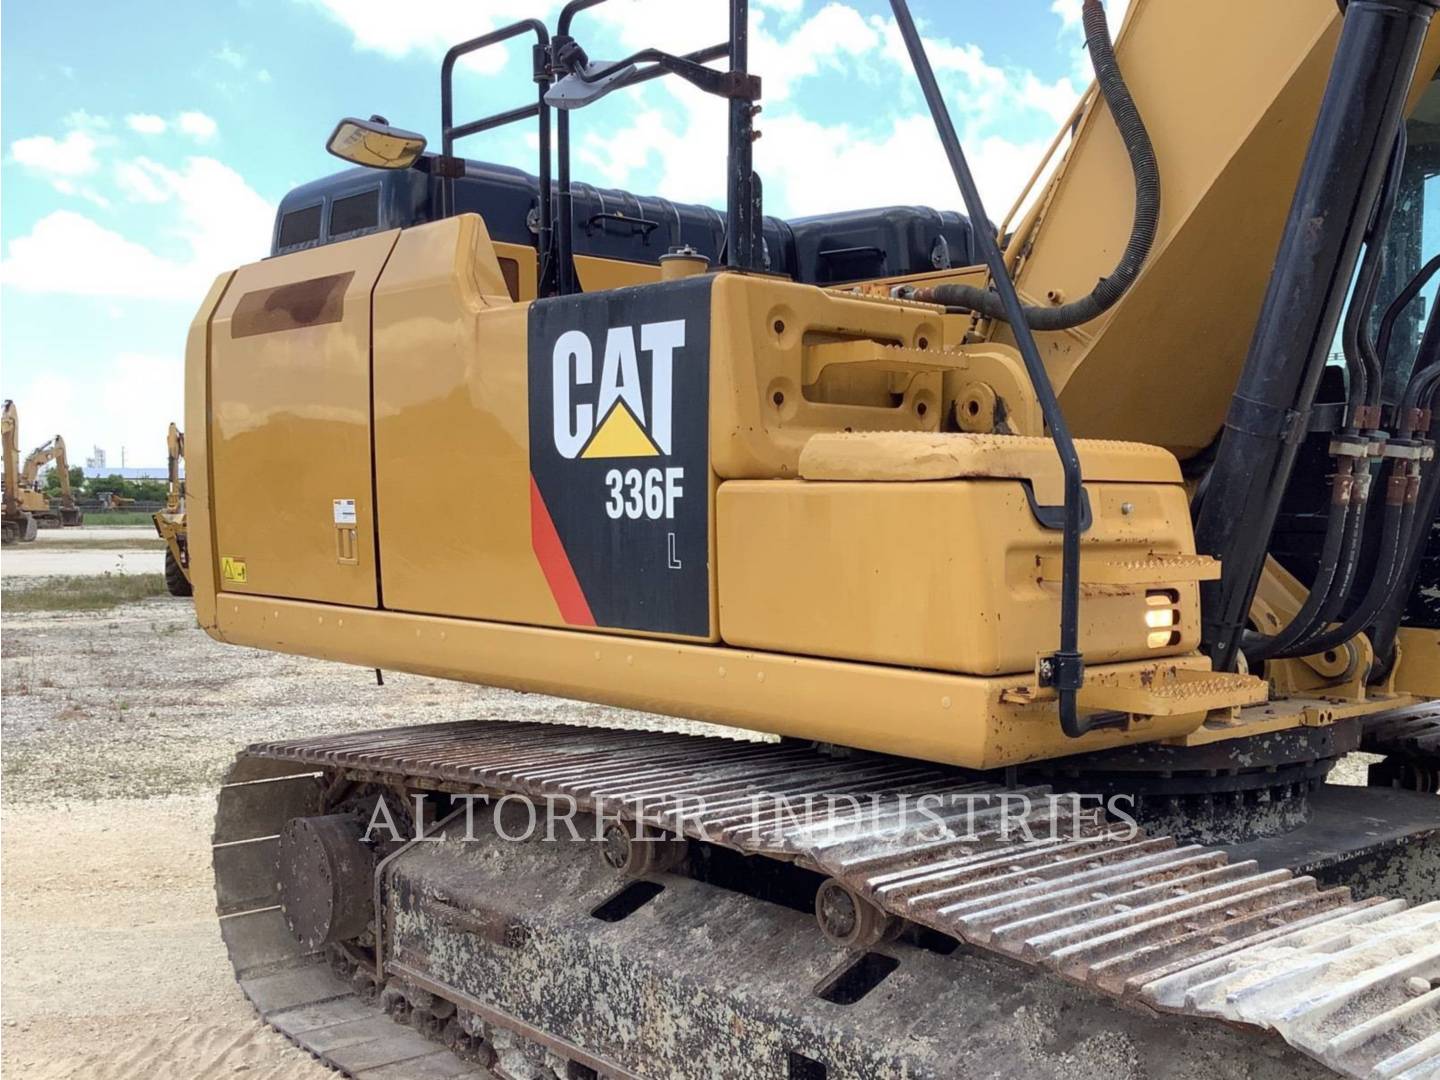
[(1362, 358), (1333, 549), (1398, 526), (1339, 563), (1147, 205), (1403, 530), (1397, 307)]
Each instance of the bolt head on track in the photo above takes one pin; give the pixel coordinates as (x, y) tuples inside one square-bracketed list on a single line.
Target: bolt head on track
[(325, 872)]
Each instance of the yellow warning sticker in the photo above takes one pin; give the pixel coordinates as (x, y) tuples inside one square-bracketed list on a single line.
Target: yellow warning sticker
[(232, 569)]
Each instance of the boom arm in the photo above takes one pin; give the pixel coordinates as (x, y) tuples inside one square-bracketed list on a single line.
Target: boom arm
[(62, 465), (10, 436), (43, 455), (174, 451), (1229, 138)]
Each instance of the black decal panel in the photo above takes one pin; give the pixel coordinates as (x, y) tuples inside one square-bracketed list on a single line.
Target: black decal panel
[(619, 455)]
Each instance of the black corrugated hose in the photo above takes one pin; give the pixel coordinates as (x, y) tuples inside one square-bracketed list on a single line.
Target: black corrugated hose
[(1406, 525), (1335, 576), (1147, 204)]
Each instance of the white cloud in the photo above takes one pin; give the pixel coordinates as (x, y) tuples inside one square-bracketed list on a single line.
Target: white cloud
[(433, 27), (128, 404), (142, 180), (808, 167), (233, 57), (1068, 10), (197, 125), (146, 123), (73, 155), (834, 37), (1056, 100), (897, 161), (66, 252), (1071, 10), (86, 121), (218, 218)]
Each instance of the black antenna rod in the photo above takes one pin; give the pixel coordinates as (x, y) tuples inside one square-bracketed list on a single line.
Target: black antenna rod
[(1066, 667)]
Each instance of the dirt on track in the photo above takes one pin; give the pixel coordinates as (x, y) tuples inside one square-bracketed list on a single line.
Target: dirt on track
[(117, 728)]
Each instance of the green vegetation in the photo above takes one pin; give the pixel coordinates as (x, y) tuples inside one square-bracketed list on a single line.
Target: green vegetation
[(117, 517), (79, 593), (81, 488), (49, 542)]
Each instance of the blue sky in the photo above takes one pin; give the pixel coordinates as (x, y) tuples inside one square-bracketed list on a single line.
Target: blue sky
[(146, 144)]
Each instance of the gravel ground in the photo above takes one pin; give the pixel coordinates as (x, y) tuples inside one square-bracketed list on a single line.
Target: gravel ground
[(116, 729)]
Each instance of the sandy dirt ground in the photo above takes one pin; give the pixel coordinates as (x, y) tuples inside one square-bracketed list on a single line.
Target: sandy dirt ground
[(90, 533), (35, 560), (77, 551), (117, 728)]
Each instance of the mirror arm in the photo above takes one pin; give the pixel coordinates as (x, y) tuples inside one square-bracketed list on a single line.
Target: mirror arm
[(726, 84)]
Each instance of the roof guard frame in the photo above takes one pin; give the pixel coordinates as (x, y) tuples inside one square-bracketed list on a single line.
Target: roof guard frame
[(448, 167), (556, 242), (743, 214)]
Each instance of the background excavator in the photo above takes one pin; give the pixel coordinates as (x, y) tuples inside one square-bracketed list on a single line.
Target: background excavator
[(25, 507), (170, 519), (1131, 498)]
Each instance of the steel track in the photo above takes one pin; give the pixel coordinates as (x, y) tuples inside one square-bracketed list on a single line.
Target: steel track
[(1171, 928)]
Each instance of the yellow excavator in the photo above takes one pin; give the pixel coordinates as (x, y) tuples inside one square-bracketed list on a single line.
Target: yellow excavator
[(26, 507), (1041, 573), (170, 519)]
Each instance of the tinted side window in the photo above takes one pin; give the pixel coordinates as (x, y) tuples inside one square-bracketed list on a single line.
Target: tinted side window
[(355, 212), (300, 227)]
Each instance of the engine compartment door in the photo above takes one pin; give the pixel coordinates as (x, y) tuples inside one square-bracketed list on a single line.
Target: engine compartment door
[(290, 425)]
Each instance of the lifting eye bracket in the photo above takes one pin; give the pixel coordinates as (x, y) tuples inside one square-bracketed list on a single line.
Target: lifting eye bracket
[(1053, 517)]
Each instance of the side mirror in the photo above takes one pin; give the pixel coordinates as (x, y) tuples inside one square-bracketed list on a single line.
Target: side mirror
[(375, 144)]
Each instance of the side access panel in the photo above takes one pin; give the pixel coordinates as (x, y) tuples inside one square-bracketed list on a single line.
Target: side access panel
[(541, 464), (621, 491), (290, 426)]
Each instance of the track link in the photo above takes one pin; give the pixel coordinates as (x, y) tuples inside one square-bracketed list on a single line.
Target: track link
[(1409, 740), (1172, 928)]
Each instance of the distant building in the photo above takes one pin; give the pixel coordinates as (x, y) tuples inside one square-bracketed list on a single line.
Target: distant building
[(96, 460)]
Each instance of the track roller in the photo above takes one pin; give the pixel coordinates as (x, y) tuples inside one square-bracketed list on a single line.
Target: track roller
[(848, 920), (627, 850)]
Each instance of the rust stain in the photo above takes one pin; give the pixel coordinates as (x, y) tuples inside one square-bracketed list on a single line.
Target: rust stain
[(313, 302)]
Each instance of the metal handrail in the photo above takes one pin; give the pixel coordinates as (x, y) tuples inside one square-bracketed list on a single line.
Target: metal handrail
[(564, 191), (450, 131), (1063, 670)]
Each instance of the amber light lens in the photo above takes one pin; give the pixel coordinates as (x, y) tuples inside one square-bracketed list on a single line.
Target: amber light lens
[(1162, 618)]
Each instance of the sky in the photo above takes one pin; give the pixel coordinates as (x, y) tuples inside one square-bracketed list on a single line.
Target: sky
[(146, 145)]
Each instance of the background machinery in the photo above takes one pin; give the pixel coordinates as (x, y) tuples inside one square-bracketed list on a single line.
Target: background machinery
[(26, 507), (1081, 510), (170, 519)]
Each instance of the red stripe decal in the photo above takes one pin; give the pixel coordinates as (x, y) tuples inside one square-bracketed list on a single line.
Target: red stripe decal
[(550, 552)]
